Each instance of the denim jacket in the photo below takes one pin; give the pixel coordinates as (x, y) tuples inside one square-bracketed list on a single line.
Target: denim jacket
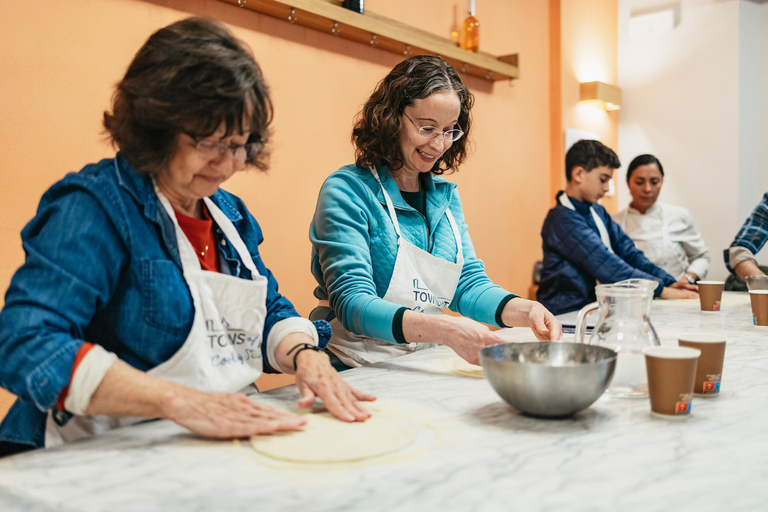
[(102, 265)]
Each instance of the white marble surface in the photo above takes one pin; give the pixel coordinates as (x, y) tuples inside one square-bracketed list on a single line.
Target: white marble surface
[(473, 451)]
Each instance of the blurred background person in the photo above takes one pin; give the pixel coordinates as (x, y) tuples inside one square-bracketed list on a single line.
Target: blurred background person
[(665, 233), (740, 256)]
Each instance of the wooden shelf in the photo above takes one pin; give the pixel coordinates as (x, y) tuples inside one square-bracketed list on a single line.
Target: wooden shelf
[(328, 16)]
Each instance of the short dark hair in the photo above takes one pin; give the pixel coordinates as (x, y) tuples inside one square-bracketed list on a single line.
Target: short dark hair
[(376, 134), (191, 77), (589, 154), (643, 160)]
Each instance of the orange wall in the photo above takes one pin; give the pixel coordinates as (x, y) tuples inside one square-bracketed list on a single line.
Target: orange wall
[(585, 50), (60, 61)]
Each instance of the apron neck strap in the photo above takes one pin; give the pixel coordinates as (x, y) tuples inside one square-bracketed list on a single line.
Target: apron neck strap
[(187, 252), (232, 235), (390, 206), (393, 216), (457, 236)]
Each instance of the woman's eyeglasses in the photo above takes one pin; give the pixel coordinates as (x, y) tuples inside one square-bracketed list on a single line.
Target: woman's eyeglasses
[(213, 150), (430, 132)]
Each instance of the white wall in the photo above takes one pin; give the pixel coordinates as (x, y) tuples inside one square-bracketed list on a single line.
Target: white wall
[(762, 168), (753, 177), (695, 97)]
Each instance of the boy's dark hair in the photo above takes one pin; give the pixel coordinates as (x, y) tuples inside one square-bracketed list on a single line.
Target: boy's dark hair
[(643, 160), (189, 77), (589, 154)]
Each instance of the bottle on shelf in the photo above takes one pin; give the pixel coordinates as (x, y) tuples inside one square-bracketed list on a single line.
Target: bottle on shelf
[(455, 28), (470, 31), (354, 5)]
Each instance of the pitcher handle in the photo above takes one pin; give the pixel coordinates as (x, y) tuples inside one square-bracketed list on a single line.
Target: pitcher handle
[(581, 322)]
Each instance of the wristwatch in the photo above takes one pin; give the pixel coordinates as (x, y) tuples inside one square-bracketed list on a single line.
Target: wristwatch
[(689, 277)]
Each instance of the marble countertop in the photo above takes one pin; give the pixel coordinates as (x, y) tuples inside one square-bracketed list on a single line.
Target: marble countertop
[(473, 452)]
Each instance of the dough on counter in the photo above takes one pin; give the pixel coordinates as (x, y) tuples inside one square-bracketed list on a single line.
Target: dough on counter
[(326, 439), (459, 365)]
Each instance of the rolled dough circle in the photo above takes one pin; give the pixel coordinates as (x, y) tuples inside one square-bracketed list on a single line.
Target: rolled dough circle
[(325, 439), (459, 365)]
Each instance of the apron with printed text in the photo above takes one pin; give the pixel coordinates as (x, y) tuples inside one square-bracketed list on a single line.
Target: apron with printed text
[(420, 281), (222, 352)]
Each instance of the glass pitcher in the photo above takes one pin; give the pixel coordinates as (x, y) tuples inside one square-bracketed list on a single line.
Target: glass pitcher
[(625, 326)]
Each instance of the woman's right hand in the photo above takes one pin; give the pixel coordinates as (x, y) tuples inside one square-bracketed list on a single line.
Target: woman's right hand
[(466, 337), (678, 293), (225, 415), (126, 391)]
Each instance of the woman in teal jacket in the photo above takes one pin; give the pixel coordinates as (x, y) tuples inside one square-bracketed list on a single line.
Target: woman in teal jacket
[(389, 238)]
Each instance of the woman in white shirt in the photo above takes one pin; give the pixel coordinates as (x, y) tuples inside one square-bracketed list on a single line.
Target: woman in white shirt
[(664, 232)]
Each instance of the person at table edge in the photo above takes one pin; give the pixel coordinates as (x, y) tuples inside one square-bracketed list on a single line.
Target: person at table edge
[(582, 245), (143, 293), (740, 256), (665, 233), (389, 240)]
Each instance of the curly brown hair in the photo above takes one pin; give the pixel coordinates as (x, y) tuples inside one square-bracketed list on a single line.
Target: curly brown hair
[(377, 127), (191, 77)]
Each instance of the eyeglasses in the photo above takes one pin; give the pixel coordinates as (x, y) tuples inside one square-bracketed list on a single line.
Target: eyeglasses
[(213, 150), (430, 132)]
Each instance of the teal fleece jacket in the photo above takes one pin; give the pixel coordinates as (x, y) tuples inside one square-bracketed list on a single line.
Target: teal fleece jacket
[(354, 246)]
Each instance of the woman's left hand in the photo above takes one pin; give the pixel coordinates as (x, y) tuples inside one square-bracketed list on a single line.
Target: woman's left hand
[(684, 285), (316, 378), (520, 312)]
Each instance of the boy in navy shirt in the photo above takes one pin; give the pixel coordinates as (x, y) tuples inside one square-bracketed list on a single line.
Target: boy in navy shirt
[(582, 245)]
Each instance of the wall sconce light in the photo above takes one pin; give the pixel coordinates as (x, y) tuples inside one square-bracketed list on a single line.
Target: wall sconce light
[(601, 94)]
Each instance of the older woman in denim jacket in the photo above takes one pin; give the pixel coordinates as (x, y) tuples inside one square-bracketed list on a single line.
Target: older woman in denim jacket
[(389, 238), (143, 294)]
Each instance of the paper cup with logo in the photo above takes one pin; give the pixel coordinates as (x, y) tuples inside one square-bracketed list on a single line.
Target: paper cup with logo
[(671, 374), (710, 293), (709, 369), (759, 300)]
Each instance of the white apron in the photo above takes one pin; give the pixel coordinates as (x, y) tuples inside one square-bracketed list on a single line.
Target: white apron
[(420, 281), (222, 352), (659, 247)]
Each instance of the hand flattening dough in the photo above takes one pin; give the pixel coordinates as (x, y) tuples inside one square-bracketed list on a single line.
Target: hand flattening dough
[(325, 439)]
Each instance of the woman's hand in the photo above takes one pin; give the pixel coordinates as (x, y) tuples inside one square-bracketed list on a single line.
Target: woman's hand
[(684, 285), (683, 280), (316, 378), (126, 391), (675, 292), (520, 312), (225, 415), (465, 336)]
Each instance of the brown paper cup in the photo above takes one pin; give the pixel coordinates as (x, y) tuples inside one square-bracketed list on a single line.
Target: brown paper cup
[(710, 293), (709, 370), (671, 373), (757, 283), (759, 300)]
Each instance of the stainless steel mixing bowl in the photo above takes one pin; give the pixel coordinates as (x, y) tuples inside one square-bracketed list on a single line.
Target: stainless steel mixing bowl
[(548, 379)]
